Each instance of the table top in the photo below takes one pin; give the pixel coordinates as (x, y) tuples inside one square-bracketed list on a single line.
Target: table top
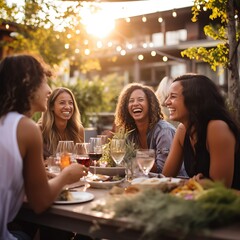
[(81, 218)]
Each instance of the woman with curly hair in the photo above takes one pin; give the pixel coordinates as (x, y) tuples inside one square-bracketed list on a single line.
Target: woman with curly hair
[(207, 139), (61, 121), (139, 111), (23, 91)]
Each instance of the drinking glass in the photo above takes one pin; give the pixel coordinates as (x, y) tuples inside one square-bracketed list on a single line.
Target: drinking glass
[(53, 164), (64, 153), (95, 152), (145, 159), (81, 153), (104, 139), (118, 149)]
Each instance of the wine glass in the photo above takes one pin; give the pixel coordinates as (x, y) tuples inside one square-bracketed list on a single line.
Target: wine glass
[(145, 159), (104, 139), (95, 152), (81, 153), (118, 149), (64, 153)]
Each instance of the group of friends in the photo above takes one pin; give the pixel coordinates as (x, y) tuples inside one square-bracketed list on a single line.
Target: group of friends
[(198, 139)]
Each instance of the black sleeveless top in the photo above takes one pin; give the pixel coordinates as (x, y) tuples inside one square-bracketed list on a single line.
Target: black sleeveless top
[(200, 162)]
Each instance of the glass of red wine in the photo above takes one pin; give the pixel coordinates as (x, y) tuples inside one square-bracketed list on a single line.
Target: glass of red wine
[(95, 152), (81, 151)]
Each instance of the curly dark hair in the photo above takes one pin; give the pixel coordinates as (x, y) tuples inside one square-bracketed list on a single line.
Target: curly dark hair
[(20, 76), (124, 120), (204, 102)]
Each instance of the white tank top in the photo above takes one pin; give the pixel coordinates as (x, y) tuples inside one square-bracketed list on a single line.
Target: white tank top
[(11, 173)]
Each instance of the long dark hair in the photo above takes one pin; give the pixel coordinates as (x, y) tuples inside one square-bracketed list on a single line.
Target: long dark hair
[(20, 76), (204, 102)]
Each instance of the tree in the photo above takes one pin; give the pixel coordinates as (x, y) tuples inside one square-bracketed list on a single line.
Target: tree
[(225, 54), (51, 29)]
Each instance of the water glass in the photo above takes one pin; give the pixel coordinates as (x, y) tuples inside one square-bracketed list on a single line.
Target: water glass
[(145, 159), (53, 164)]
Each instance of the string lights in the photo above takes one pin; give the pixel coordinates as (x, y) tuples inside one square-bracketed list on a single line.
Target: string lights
[(127, 46)]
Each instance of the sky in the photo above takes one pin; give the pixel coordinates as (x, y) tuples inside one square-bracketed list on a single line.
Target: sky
[(102, 22), (134, 8)]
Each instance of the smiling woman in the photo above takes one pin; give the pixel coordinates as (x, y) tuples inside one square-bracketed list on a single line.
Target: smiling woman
[(61, 121)]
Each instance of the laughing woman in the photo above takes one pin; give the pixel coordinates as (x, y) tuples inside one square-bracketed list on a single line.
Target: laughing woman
[(23, 91), (138, 109), (61, 121), (207, 140)]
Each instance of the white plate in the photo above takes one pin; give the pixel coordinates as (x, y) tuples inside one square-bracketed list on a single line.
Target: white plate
[(78, 197), (106, 184), (154, 180), (110, 171)]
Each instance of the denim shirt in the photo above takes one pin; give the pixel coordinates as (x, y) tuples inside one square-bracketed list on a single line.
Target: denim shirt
[(160, 138)]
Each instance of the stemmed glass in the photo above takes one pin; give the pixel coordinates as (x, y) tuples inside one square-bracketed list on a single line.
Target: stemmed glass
[(81, 154), (118, 149), (95, 152), (104, 139), (145, 159), (64, 153)]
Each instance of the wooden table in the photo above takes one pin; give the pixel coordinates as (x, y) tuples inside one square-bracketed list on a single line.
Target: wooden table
[(80, 218)]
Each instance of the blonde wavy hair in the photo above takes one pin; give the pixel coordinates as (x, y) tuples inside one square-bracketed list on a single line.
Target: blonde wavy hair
[(51, 137), (124, 120)]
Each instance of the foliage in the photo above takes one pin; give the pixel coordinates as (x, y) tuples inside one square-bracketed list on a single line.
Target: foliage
[(225, 28), (218, 56), (157, 214), (95, 95), (130, 149), (48, 28)]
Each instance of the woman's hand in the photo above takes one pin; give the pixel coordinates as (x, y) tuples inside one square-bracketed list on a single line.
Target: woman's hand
[(74, 172), (198, 177)]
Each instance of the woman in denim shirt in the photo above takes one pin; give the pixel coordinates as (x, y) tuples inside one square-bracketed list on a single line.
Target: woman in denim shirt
[(139, 111)]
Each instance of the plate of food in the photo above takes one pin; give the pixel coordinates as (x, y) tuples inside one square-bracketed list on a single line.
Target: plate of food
[(104, 181), (154, 180), (165, 184), (68, 197), (110, 171)]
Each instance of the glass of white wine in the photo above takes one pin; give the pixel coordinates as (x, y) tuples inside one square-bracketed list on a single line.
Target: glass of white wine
[(118, 149), (145, 159)]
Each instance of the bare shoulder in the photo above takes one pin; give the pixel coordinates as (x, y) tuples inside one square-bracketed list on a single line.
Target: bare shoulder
[(28, 130), (218, 131), (181, 128), (216, 126), (180, 133)]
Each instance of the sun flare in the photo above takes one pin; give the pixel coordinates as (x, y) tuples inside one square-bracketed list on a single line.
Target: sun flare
[(99, 25)]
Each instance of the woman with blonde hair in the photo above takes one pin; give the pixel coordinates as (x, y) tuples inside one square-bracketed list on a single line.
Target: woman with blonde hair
[(61, 121)]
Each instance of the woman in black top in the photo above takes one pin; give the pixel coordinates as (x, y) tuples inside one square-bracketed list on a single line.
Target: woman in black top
[(207, 140)]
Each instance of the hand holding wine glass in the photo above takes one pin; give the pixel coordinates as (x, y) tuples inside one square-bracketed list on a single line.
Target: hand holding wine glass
[(145, 159)]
